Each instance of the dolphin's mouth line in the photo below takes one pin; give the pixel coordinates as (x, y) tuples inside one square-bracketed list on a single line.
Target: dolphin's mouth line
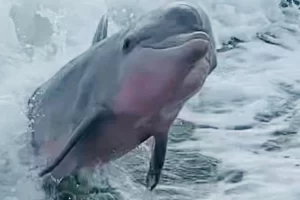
[(182, 40)]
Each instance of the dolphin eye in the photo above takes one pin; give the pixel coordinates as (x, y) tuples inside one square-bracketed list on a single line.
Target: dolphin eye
[(127, 45)]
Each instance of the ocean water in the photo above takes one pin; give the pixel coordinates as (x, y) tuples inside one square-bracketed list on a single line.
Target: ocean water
[(237, 139)]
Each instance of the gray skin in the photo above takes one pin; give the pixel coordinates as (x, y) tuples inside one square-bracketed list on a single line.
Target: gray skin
[(121, 91)]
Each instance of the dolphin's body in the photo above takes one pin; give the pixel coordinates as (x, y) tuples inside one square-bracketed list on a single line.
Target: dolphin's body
[(122, 90)]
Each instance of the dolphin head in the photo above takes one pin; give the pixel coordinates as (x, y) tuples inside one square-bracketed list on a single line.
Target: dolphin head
[(160, 52)]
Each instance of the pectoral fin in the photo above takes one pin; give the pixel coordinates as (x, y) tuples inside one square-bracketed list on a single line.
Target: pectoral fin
[(85, 127), (157, 160), (101, 32)]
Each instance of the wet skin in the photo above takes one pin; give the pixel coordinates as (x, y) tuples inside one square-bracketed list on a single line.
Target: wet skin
[(121, 91)]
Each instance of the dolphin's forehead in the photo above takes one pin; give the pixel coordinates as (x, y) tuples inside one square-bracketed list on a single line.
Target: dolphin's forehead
[(183, 14), (167, 21)]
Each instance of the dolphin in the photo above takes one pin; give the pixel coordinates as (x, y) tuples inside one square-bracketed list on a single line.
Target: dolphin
[(121, 91)]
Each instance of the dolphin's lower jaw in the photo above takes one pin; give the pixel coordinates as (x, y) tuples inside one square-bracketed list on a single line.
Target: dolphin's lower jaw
[(184, 49)]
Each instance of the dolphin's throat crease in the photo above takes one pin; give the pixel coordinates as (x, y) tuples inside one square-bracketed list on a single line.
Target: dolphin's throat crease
[(121, 91)]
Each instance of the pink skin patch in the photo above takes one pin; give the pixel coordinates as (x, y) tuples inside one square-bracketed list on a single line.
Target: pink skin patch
[(145, 94), (132, 100)]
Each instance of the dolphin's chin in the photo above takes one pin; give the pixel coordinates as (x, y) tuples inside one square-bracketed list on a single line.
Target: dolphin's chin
[(188, 53)]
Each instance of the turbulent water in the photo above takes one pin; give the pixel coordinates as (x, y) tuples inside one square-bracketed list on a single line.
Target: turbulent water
[(238, 138)]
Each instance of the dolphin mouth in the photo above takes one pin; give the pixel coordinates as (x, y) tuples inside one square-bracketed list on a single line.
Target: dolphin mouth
[(178, 40), (181, 50)]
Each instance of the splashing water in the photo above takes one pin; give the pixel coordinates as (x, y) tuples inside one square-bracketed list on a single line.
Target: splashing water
[(239, 136)]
